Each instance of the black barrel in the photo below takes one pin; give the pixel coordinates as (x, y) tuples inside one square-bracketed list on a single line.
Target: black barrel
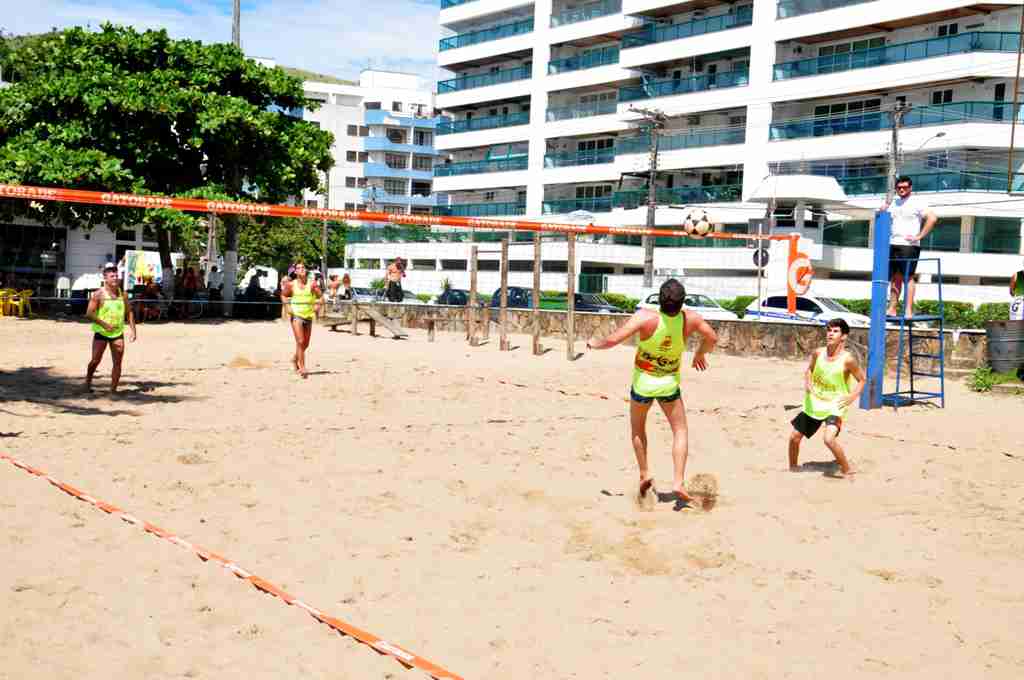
[(1005, 345)]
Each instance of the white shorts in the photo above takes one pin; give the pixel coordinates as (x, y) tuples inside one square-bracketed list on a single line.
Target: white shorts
[(1017, 309)]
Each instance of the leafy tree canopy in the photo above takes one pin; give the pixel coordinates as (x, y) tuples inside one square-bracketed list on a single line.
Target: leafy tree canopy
[(128, 111), (279, 242)]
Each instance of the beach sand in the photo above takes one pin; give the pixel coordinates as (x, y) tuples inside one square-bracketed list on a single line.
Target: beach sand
[(476, 507)]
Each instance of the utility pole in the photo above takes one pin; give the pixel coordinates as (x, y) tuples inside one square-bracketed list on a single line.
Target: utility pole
[(897, 122), (236, 27), (654, 119)]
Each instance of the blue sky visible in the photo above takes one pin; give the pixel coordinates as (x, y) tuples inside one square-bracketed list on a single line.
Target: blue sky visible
[(336, 37)]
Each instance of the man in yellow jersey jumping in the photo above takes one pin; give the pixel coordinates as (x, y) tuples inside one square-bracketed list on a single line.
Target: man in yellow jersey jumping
[(827, 395), (659, 352)]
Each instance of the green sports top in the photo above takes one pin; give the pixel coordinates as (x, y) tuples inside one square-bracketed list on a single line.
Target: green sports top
[(828, 386), (303, 300), (111, 312), (656, 366), (1018, 288)]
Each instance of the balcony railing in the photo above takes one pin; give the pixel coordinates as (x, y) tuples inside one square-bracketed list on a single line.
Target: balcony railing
[(488, 123), (508, 75), (721, 193), (582, 111), (687, 140), (673, 86), (445, 4), (477, 167), (871, 121), (587, 12), (486, 35), (564, 160), (931, 181), (481, 209), (568, 205), (794, 8), (963, 43), (592, 59), (652, 33), (381, 196)]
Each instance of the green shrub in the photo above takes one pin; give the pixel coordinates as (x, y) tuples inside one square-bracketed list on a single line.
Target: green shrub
[(983, 379), (554, 294), (623, 302), (424, 297), (377, 284), (856, 305), (958, 314), (991, 311)]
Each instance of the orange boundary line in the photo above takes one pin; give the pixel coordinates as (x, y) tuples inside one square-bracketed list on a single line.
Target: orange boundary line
[(403, 656)]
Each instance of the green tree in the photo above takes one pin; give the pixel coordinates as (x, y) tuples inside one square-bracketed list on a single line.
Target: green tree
[(279, 242), (128, 111)]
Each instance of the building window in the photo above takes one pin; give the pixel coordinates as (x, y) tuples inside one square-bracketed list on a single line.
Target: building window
[(394, 186), (364, 131), (453, 265), (599, 191), (489, 196), (350, 206), (396, 136), (938, 160), (421, 188), (948, 29), (996, 235), (350, 182), (845, 48), (423, 138), (598, 97), (396, 106), (424, 264), (942, 97), (595, 144), (361, 182), (364, 157), (353, 130), (372, 106), (423, 163), (420, 210), (125, 235), (396, 161), (311, 204), (351, 156)]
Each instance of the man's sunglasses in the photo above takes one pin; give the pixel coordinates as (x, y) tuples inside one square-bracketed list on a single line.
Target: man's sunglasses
[(903, 186)]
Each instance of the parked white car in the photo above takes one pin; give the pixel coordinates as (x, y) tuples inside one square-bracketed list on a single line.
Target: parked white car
[(809, 309), (695, 302)]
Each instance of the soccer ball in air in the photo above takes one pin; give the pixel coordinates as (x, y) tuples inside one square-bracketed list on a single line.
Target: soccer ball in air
[(697, 224)]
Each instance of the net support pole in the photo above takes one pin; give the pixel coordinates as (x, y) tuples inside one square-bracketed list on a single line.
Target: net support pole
[(535, 298), (570, 322), (503, 319), (471, 312), (871, 397)]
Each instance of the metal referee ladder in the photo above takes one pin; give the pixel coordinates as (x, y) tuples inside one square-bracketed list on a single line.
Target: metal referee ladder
[(915, 357)]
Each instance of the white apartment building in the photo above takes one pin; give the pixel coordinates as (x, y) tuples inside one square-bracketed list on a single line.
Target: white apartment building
[(384, 154), (538, 124)]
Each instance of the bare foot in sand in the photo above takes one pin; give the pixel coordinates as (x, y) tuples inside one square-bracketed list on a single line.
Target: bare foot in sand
[(683, 496), (646, 495)]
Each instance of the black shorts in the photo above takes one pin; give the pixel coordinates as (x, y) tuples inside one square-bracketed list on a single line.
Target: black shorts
[(640, 399), (807, 426), (103, 338), (898, 259)]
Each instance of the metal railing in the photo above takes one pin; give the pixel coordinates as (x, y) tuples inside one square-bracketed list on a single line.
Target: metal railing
[(594, 157), (794, 8), (587, 12), (673, 86), (602, 57), (568, 205), (963, 43), (582, 111), (486, 35), (931, 181), (920, 116), (481, 209), (508, 75), (652, 33), (477, 167), (487, 123), (721, 193), (686, 140), (445, 4)]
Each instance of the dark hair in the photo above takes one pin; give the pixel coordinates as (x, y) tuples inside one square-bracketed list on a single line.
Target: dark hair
[(671, 296), (841, 324), (904, 178)]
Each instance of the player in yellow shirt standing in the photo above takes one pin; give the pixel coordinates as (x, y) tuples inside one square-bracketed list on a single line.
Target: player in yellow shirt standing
[(827, 395)]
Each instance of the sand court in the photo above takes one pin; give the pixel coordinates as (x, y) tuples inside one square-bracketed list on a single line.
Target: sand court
[(477, 507)]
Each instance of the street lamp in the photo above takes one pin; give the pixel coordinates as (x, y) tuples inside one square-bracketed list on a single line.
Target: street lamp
[(935, 136)]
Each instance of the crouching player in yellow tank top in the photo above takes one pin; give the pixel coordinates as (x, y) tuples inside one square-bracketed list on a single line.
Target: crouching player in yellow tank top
[(827, 395), (656, 366)]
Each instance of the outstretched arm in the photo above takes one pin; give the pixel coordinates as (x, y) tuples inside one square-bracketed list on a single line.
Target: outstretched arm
[(623, 333), (695, 323), (1013, 285), (853, 368)]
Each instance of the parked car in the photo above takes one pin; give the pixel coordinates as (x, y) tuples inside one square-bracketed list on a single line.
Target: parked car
[(696, 302), (408, 298), (457, 297), (589, 302), (809, 309), (364, 295), (518, 298)]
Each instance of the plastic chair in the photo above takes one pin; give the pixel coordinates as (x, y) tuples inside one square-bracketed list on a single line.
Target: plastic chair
[(4, 302), (63, 287), (22, 301)]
